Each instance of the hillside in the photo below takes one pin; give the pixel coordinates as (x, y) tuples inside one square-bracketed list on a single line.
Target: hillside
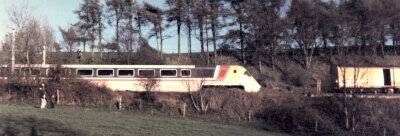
[(27, 120)]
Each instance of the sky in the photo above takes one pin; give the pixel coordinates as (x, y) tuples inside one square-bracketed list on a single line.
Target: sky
[(59, 13)]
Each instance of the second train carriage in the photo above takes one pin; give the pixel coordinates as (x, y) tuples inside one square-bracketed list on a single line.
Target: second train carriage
[(367, 78), (168, 78)]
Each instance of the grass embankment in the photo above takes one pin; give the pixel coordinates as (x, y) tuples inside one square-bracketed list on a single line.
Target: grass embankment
[(27, 120)]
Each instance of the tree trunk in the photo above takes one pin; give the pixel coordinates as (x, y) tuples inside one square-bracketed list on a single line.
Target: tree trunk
[(84, 45), (139, 23), (383, 44), (241, 41), (92, 50), (117, 32), (190, 40), (213, 29), (178, 25), (100, 37), (161, 38), (189, 27), (201, 36), (207, 45), (27, 57)]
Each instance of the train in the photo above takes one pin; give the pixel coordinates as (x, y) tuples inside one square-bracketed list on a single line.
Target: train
[(162, 78), (367, 79)]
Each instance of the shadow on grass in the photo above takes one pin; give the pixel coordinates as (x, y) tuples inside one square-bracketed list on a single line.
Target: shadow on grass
[(33, 126)]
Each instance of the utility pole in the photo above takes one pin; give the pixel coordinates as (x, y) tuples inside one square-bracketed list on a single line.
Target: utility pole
[(14, 29), (44, 52)]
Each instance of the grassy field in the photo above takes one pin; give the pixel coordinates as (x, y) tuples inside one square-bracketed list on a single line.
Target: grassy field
[(27, 120)]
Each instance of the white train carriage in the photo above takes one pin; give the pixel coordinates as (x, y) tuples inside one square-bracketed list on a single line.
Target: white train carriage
[(165, 78), (367, 79)]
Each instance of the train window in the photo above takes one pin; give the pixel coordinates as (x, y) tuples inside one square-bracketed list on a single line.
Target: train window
[(52, 72), (17, 71), (247, 73), (4, 71), (67, 72), (206, 72), (146, 73), (168, 72), (105, 72), (84, 72), (35, 72), (185, 73), (30, 72), (126, 72)]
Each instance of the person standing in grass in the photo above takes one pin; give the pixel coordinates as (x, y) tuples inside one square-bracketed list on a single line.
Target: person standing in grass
[(43, 101)]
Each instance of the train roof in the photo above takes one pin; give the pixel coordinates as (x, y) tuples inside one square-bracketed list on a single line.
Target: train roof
[(105, 66), (128, 66), (368, 66)]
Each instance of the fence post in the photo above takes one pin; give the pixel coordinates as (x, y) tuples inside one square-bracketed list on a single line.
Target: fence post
[(249, 116), (58, 96), (120, 103), (184, 110)]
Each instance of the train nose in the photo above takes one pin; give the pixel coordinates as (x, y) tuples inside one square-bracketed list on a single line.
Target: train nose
[(250, 84)]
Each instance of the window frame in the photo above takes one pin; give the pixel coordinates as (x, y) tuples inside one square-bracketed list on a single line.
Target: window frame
[(68, 72), (97, 72), (33, 70), (190, 72), (154, 73), (133, 75), (176, 73), (85, 75)]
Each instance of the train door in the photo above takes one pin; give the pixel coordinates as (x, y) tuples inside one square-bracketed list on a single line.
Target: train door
[(386, 77)]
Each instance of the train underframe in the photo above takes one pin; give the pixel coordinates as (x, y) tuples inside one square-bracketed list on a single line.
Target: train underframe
[(381, 90)]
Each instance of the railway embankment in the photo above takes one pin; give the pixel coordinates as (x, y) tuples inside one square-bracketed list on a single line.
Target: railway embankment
[(282, 105)]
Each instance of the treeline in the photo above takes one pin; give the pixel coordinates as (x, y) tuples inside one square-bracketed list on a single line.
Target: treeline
[(255, 30)]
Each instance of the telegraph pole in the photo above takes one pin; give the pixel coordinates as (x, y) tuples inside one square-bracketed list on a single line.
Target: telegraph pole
[(44, 52), (14, 29)]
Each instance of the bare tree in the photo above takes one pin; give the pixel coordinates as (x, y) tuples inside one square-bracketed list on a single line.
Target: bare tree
[(149, 85), (302, 17), (70, 39), (198, 94)]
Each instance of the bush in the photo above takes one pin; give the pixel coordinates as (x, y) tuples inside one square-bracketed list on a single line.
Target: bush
[(83, 93), (299, 115), (72, 92), (295, 114)]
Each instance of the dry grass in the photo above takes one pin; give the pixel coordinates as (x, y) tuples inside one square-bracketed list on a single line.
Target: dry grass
[(26, 120)]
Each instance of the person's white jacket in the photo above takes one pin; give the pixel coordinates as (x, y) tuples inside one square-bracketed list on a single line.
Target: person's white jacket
[(43, 101)]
